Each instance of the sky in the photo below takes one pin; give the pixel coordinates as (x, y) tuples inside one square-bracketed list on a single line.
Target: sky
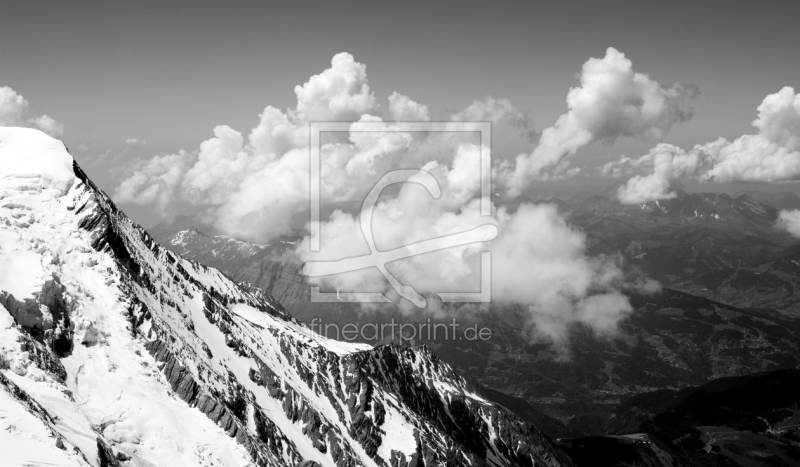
[(168, 72), (204, 108)]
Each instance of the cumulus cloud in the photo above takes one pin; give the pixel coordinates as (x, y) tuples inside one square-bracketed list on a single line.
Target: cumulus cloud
[(221, 164), (340, 93), (779, 119), (612, 102), (790, 221), (255, 186), (153, 182), (48, 125), (12, 107), (135, 142), (663, 165), (263, 204), (276, 134), (541, 262), (771, 155), (13, 111), (253, 189), (403, 109), (538, 262), (495, 110)]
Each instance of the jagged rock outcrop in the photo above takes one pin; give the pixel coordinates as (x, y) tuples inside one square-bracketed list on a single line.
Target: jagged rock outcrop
[(45, 317)]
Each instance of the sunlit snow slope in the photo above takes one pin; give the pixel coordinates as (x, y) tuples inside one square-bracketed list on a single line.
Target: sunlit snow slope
[(115, 351)]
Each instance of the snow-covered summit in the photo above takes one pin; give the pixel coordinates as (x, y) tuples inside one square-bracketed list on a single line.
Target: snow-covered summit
[(117, 352), (30, 152)]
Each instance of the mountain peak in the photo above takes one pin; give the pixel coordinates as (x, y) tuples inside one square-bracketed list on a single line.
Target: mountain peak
[(30, 152)]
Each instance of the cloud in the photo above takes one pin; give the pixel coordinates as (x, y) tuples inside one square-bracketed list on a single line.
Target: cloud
[(276, 134), (135, 142), (538, 262), (664, 164), (403, 109), (497, 111), (221, 164), (771, 155), (13, 111), (256, 187), (153, 182), (48, 125), (266, 177), (612, 102), (790, 221), (253, 190), (340, 93), (12, 107), (779, 119), (265, 201)]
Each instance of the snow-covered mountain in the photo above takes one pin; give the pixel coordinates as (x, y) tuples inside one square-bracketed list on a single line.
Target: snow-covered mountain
[(116, 351)]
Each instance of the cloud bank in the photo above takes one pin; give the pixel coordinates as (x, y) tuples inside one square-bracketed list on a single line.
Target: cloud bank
[(771, 155), (612, 102), (538, 261), (14, 110), (256, 186), (253, 186)]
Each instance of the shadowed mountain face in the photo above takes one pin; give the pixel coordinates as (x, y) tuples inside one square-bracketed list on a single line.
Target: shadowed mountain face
[(116, 351), (674, 339)]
